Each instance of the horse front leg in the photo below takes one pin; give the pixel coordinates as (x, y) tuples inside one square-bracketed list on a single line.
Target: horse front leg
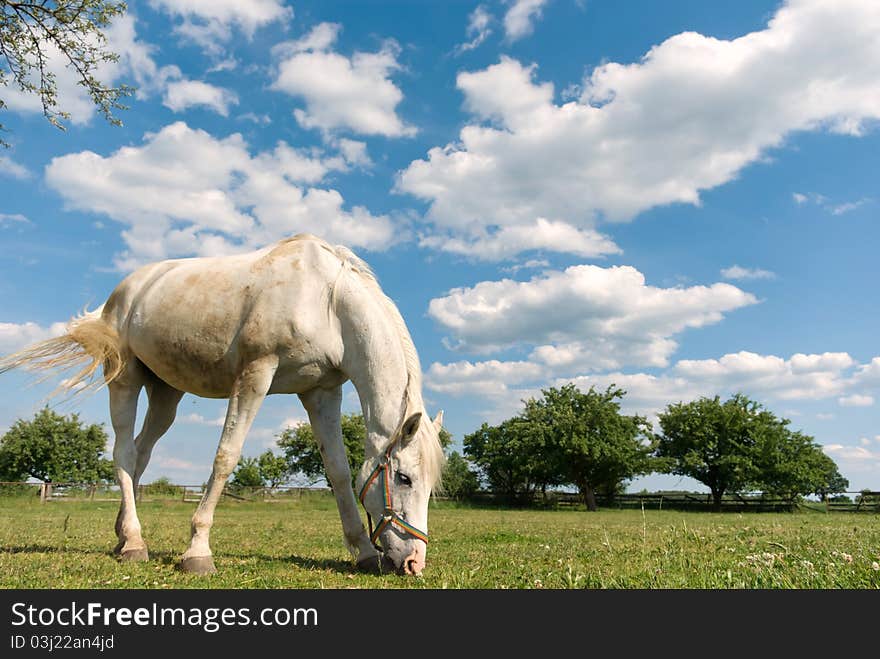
[(324, 407), (247, 395)]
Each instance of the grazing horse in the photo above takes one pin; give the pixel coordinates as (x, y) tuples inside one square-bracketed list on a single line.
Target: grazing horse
[(297, 317)]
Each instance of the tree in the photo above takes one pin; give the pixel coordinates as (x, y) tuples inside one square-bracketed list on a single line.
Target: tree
[(247, 473), (273, 468), (511, 459), (739, 444), (587, 442), (791, 464), (34, 32), (303, 457), (55, 448), (459, 480)]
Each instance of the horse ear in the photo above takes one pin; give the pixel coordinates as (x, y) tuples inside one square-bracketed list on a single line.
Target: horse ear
[(438, 421), (410, 427)]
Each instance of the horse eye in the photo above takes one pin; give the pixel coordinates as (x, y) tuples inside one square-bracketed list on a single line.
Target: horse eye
[(403, 479)]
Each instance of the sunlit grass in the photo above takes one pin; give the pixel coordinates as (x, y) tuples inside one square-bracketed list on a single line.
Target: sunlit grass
[(299, 545)]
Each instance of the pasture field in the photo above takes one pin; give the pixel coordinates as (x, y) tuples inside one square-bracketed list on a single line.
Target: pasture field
[(298, 544)]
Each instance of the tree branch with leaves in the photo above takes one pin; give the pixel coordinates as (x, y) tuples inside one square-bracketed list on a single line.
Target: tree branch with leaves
[(33, 33)]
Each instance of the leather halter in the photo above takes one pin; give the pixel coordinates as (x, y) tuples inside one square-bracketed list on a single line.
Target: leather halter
[(389, 516)]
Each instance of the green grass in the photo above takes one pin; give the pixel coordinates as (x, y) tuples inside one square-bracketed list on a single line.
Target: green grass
[(299, 545)]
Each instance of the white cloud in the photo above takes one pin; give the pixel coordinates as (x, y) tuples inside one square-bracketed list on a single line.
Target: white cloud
[(826, 204), (848, 206), (737, 272), (761, 377), (647, 134), (544, 234), (181, 95), (259, 119), (519, 21), (198, 419), (353, 93), (478, 29), (8, 219), (184, 192), (211, 23), (585, 316), (854, 459), (856, 400), (8, 167), (14, 336), (799, 377)]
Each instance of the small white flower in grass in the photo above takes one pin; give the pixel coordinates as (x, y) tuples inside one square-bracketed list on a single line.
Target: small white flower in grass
[(875, 566)]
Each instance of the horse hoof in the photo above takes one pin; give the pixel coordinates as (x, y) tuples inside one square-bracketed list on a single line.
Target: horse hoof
[(198, 565), (134, 555)]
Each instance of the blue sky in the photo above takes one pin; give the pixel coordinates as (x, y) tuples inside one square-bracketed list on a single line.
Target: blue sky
[(679, 198)]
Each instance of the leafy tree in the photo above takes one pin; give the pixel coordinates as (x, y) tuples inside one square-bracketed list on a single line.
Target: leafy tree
[(162, 486), (790, 464), (512, 459), (833, 483), (738, 444), (55, 448), (587, 442), (459, 480), (247, 473), (273, 468), (34, 32), (303, 457)]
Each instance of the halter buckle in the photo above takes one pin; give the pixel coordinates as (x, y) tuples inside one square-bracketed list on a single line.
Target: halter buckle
[(387, 514)]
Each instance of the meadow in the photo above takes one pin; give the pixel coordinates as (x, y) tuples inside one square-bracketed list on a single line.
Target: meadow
[(297, 544)]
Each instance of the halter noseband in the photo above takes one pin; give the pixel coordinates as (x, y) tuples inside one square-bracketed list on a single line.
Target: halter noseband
[(388, 514)]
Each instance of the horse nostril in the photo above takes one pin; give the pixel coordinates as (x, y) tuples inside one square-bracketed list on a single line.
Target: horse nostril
[(410, 566)]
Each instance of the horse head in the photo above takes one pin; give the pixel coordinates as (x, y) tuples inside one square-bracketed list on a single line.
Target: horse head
[(395, 488)]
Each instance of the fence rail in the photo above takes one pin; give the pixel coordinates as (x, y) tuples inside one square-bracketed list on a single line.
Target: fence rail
[(163, 492), (863, 501)]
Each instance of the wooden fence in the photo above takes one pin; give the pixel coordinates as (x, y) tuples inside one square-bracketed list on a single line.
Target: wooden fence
[(746, 502)]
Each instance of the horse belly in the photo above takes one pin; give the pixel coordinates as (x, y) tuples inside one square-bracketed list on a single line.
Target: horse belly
[(187, 343)]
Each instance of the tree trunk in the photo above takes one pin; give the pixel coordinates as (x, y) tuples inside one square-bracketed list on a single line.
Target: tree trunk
[(589, 497), (716, 500)]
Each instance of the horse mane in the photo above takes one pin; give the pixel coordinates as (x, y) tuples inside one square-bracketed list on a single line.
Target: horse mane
[(432, 451)]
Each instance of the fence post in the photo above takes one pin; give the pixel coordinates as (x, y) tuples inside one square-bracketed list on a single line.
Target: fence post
[(42, 493), (92, 491)]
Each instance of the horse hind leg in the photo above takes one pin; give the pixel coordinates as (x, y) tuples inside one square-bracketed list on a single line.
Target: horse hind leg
[(163, 400), (248, 393), (124, 394)]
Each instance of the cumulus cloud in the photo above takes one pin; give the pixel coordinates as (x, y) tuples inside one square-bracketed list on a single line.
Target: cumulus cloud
[(212, 23), (8, 167), (646, 134), (507, 242), (478, 29), (854, 459), (764, 377), (14, 336), (738, 272), (584, 316), (519, 21), (181, 95), (799, 377), (10, 219), (184, 192), (856, 400), (352, 93)]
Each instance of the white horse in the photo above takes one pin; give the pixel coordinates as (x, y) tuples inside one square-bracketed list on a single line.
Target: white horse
[(297, 317)]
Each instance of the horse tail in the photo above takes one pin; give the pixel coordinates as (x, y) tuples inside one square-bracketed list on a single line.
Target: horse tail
[(89, 342)]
